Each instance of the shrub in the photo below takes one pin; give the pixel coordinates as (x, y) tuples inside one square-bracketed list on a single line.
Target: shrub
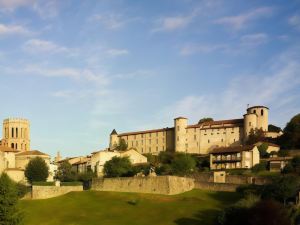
[(22, 189), (262, 166), (166, 157), (9, 212), (65, 173), (164, 169), (263, 150), (122, 146), (288, 169), (36, 170), (118, 167), (43, 183), (183, 164)]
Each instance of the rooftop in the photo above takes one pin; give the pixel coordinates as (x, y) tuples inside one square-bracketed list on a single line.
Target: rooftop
[(232, 149), (257, 106), (7, 149), (146, 131), (33, 152)]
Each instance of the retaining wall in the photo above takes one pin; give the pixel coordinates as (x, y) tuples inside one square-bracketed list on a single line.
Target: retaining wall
[(167, 185), (215, 186), (43, 192)]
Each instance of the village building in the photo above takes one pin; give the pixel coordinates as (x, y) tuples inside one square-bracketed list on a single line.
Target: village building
[(198, 138), (234, 157)]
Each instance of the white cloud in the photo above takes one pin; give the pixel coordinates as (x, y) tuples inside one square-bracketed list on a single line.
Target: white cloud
[(111, 21), (172, 23), (38, 45), (241, 21), (196, 48), (13, 29), (13, 4), (253, 40), (295, 21), (273, 88), (117, 52), (46, 8)]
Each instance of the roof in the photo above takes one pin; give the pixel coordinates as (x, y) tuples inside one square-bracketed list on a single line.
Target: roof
[(258, 106), (7, 149), (279, 159), (82, 161), (232, 149), (14, 169), (33, 152), (146, 131), (268, 143), (218, 122), (180, 117), (113, 132)]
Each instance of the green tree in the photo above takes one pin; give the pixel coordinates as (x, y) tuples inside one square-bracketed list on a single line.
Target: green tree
[(122, 146), (262, 166), (205, 119), (65, 173), (291, 134), (118, 167), (183, 164), (296, 164), (36, 170), (9, 211), (273, 128), (263, 150), (255, 136), (166, 157)]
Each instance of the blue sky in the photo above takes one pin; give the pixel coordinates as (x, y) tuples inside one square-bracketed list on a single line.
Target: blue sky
[(78, 69)]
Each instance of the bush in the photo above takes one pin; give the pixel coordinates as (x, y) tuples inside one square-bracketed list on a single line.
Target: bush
[(183, 164), (22, 189), (36, 170), (118, 167), (263, 150), (166, 157), (65, 173), (9, 212), (164, 169), (262, 166), (74, 183), (288, 169), (43, 183)]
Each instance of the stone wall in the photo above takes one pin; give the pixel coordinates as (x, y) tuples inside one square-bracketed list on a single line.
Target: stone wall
[(43, 192), (215, 186), (167, 185)]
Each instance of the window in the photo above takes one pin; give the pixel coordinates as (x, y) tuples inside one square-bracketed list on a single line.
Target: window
[(12, 145), (132, 143), (142, 149), (262, 112), (208, 141), (142, 135), (134, 137), (149, 134), (156, 141), (249, 123), (156, 148), (195, 137), (177, 138), (12, 132), (17, 132), (142, 142), (254, 111), (149, 149), (222, 140), (194, 130), (16, 146), (137, 143)]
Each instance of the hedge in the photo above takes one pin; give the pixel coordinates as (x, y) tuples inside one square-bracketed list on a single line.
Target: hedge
[(43, 183), (70, 183)]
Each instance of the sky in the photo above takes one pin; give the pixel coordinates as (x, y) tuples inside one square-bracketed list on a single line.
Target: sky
[(79, 68)]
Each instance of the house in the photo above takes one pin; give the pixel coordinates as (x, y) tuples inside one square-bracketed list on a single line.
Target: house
[(276, 164), (99, 158), (234, 157)]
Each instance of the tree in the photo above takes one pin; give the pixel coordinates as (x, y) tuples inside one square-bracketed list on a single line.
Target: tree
[(65, 173), (273, 128), (291, 134), (263, 150), (262, 166), (9, 212), (122, 146), (166, 157), (36, 170), (205, 119), (183, 164), (118, 167), (255, 136), (296, 164)]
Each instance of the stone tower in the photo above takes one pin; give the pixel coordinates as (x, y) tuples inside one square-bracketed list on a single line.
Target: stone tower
[(180, 125), (16, 134), (114, 140)]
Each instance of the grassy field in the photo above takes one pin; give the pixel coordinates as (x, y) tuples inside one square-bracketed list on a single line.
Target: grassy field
[(112, 208)]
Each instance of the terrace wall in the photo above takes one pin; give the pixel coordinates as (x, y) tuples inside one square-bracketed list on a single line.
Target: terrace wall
[(43, 192)]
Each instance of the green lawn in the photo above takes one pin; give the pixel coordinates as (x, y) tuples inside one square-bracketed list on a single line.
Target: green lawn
[(108, 208)]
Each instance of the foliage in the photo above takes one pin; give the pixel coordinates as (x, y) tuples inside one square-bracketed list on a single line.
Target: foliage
[(283, 153), (65, 173), (22, 189), (86, 176), (273, 128), (164, 169), (259, 167), (291, 134), (205, 119), (263, 150), (152, 159), (183, 164), (288, 169), (166, 157), (9, 212), (37, 170), (73, 183), (255, 136), (118, 167), (122, 146), (296, 164), (144, 169), (43, 183), (202, 163)]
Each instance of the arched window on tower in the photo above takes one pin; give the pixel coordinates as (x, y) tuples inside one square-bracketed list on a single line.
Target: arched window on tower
[(16, 146), (12, 132), (262, 112), (12, 145), (17, 132)]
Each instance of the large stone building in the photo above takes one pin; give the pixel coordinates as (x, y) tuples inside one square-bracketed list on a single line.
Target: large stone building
[(198, 138)]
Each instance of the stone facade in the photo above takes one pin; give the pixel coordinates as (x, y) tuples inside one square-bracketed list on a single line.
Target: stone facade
[(167, 185), (198, 138)]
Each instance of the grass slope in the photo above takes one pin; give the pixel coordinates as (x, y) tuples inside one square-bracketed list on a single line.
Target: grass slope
[(113, 208)]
